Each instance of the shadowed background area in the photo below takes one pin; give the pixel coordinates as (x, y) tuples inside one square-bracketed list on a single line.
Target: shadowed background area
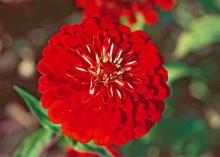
[(188, 38)]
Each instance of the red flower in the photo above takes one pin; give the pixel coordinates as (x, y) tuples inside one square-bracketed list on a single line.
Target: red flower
[(73, 153), (102, 82), (115, 9)]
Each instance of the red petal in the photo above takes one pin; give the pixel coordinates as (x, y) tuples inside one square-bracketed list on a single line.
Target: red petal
[(151, 17)]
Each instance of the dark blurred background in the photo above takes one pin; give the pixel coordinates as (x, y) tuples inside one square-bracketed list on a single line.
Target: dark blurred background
[(188, 38)]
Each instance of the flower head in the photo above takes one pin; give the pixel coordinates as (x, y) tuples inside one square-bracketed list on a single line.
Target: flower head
[(102, 82), (116, 9)]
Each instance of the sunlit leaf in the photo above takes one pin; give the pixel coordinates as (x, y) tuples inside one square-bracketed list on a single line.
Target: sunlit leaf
[(139, 25), (177, 71), (182, 15), (33, 145), (36, 109), (202, 32)]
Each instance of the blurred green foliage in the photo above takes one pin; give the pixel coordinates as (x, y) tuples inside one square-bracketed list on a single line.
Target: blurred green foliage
[(202, 32), (185, 136), (34, 144)]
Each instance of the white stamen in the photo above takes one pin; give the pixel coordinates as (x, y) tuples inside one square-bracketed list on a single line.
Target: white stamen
[(81, 69), (97, 58), (92, 88), (121, 83), (119, 93), (119, 61), (123, 70), (91, 83), (126, 69), (131, 63), (78, 52), (86, 59), (111, 52), (111, 91), (98, 70), (118, 56), (130, 85), (70, 75), (129, 53), (92, 91), (93, 73), (105, 59), (88, 48), (120, 72)]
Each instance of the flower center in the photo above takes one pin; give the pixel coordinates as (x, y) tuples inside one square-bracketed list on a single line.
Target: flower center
[(105, 72), (108, 68), (108, 72)]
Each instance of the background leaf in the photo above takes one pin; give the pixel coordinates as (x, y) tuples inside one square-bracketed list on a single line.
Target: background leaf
[(34, 144), (186, 136), (202, 32), (179, 70), (210, 5), (36, 109)]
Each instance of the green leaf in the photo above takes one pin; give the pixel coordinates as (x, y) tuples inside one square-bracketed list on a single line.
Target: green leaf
[(184, 136), (36, 109), (210, 6), (182, 14), (177, 71), (89, 147), (34, 144), (188, 136), (139, 25), (202, 32)]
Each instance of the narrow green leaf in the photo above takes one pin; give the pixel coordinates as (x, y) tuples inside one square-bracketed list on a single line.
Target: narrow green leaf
[(34, 144), (89, 147), (36, 109), (202, 32)]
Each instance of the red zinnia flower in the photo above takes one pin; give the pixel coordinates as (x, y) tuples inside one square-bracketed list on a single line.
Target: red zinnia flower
[(115, 9), (102, 82)]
